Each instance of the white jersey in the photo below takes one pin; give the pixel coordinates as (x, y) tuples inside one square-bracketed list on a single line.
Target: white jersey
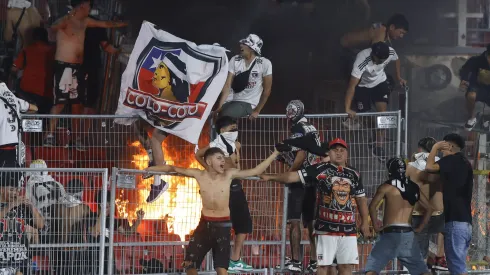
[(251, 94), (369, 73), (9, 125)]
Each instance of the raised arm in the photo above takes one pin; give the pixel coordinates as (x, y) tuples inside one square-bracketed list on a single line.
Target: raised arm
[(284, 178), (259, 169), (432, 166), (373, 206), (189, 172), (92, 23)]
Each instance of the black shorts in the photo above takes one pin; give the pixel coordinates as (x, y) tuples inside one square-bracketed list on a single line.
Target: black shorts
[(482, 93), (67, 73), (92, 87), (239, 212), (365, 97), (210, 235), (301, 203)]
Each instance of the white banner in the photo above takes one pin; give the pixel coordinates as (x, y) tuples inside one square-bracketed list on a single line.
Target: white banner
[(171, 83)]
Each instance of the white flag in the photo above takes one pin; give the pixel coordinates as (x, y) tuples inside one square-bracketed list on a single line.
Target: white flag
[(171, 83)]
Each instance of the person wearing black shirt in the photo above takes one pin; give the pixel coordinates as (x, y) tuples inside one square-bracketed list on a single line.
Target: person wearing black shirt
[(475, 81), (456, 175), (95, 39)]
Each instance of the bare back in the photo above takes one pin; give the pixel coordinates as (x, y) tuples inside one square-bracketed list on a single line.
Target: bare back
[(433, 191), (397, 210), (70, 41), (215, 194)]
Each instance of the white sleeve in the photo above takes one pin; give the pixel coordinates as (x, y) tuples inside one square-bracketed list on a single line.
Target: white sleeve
[(231, 65), (266, 67), (23, 105), (360, 64), (395, 56)]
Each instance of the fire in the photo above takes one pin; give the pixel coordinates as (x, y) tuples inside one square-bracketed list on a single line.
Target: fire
[(180, 205)]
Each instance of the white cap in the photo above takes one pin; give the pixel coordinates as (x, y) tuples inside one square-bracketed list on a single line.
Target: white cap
[(254, 42)]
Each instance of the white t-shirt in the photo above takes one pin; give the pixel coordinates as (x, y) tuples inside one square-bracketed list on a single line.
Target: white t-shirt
[(251, 94), (9, 132), (371, 74)]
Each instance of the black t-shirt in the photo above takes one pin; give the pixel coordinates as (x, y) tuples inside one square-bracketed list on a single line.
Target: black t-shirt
[(13, 240), (336, 189), (301, 129), (457, 179), (92, 51), (409, 190)]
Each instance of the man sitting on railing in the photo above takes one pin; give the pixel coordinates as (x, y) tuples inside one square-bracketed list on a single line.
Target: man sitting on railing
[(239, 212), (397, 238), (368, 85), (249, 81), (213, 231)]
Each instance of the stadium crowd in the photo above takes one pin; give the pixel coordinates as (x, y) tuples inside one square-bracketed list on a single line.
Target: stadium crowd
[(428, 196)]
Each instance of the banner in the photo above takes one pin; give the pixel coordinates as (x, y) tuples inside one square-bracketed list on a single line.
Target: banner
[(171, 83)]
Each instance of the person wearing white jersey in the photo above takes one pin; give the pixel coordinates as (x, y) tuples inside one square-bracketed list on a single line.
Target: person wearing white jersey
[(368, 85), (249, 81), (431, 187), (10, 109)]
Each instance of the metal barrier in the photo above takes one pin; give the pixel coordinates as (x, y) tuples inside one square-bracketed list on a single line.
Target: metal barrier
[(169, 221), (53, 212)]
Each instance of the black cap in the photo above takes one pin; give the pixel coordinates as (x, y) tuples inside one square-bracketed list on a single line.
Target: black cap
[(380, 50)]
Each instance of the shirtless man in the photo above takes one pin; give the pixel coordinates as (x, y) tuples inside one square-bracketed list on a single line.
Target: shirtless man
[(213, 231), (416, 173), (68, 74), (396, 238), (239, 213)]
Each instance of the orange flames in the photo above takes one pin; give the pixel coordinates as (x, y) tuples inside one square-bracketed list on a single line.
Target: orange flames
[(180, 205)]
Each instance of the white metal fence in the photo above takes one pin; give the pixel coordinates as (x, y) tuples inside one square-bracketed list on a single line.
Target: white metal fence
[(156, 241)]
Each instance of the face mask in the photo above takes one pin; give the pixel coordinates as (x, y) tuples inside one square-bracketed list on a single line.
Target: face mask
[(230, 136)]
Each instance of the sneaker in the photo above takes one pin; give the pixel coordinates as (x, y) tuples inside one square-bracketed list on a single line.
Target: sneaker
[(312, 266), (150, 164), (470, 124), (79, 146), (440, 264), (157, 190), (287, 262), (49, 141), (239, 266), (379, 153), (295, 266)]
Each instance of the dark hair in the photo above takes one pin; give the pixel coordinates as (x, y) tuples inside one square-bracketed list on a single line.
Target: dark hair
[(488, 49), (76, 3), (40, 35), (456, 139), (427, 143), (222, 122), (399, 21), (212, 151)]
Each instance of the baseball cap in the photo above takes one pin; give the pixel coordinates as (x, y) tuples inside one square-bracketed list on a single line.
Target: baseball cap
[(380, 50), (338, 141)]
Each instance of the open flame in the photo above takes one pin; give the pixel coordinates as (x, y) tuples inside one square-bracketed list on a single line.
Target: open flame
[(180, 206)]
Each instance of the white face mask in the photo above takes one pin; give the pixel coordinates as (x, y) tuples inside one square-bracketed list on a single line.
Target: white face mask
[(230, 136)]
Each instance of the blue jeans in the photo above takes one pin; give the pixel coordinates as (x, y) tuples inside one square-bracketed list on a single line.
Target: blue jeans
[(457, 238), (396, 245)]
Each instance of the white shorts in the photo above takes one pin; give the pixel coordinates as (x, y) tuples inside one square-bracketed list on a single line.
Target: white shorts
[(342, 248)]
